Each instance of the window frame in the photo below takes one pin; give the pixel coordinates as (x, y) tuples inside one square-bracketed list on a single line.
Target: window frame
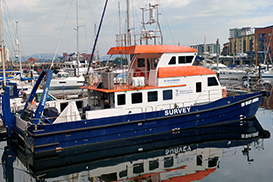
[(150, 98), (172, 60), (165, 96), (135, 98), (198, 87), (118, 100), (214, 83)]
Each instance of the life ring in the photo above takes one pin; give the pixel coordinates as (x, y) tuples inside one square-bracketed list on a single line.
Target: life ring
[(224, 92), (138, 73)]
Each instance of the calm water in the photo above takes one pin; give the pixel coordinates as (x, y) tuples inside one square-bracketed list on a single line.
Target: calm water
[(231, 152)]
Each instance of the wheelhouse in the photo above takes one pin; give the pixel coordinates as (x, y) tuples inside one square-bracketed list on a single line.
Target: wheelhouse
[(159, 77)]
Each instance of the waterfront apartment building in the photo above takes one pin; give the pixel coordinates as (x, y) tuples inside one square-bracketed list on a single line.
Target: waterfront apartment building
[(256, 42), (264, 44), (208, 49), (241, 40)]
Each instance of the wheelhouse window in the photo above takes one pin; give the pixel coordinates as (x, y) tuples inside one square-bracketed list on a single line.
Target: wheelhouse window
[(181, 60), (167, 94), (212, 81), (156, 60), (189, 59), (152, 96), (136, 98), (185, 59), (121, 99), (173, 60), (141, 62), (198, 87)]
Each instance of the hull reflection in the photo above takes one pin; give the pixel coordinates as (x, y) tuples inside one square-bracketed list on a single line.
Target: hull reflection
[(181, 156)]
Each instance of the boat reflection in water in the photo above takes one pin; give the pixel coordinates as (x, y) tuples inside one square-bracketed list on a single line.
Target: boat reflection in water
[(187, 155)]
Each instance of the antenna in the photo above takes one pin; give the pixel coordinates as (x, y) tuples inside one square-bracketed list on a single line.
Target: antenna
[(151, 33), (152, 18)]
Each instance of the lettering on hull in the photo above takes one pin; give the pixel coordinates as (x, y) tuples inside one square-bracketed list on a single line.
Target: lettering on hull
[(170, 112), (249, 102), (177, 150)]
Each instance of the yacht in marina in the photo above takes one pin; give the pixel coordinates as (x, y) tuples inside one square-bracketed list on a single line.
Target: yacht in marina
[(62, 81), (227, 76), (267, 76)]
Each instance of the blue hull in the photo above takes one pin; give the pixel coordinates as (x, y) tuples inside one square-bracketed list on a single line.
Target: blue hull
[(90, 132), (220, 136)]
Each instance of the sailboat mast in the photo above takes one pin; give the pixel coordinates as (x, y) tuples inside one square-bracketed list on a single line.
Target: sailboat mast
[(96, 39), (77, 29), (18, 46), (2, 45), (128, 24), (121, 43), (128, 39)]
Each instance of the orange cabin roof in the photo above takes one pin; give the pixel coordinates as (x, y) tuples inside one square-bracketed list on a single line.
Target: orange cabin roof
[(178, 71), (199, 175), (124, 88), (149, 49)]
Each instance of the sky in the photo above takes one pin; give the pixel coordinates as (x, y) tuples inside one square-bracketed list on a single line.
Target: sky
[(46, 26)]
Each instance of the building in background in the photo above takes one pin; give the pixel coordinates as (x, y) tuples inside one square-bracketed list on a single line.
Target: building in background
[(73, 56), (6, 54), (242, 42), (226, 49), (264, 44), (31, 60), (207, 49)]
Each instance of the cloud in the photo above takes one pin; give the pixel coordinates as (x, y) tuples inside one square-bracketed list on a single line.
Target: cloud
[(184, 21)]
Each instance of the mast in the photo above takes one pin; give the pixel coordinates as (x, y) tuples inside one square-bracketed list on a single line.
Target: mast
[(77, 29), (121, 43), (18, 46), (128, 42), (96, 39), (95, 33), (2, 45), (217, 53), (128, 39), (205, 49)]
